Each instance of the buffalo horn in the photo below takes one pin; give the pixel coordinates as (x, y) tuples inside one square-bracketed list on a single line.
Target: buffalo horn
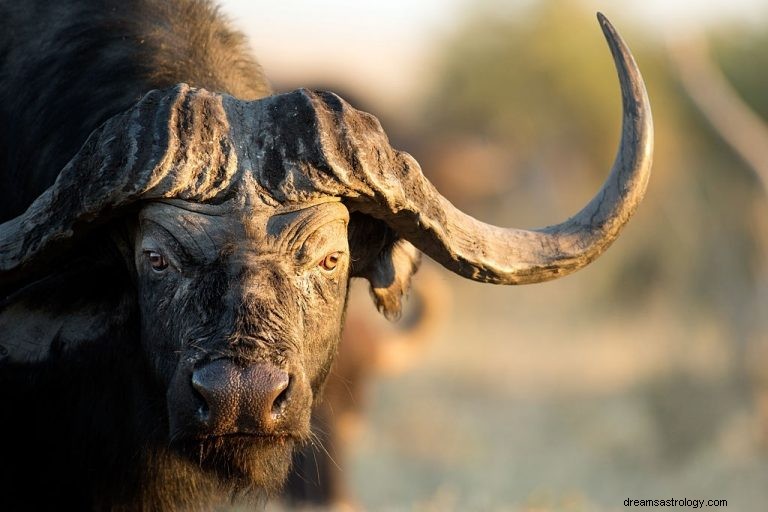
[(487, 253)]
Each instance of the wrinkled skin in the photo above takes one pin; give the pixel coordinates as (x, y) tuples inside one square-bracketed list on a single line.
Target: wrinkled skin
[(181, 345), (244, 283)]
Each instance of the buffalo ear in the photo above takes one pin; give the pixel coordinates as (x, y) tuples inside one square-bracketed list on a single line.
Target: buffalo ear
[(83, 302), (386, 261)]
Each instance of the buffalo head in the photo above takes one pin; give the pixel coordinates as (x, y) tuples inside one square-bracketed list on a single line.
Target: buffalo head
[(215, 238)]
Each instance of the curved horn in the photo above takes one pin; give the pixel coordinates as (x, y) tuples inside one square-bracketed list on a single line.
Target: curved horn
[(172, 143), (487, 253), (302, 147)]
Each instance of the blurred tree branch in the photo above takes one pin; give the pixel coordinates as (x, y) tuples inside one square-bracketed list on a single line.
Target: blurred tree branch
[(738, 125)]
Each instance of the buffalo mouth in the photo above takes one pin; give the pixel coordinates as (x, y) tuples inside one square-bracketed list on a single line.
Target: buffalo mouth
[(254, 437), (257, 439), (249, 460)]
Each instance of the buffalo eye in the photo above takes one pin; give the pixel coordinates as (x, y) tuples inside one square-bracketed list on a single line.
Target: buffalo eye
[(330, 262), (156, 261)]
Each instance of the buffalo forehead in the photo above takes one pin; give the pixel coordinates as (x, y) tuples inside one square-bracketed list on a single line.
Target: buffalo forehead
[(212, 228)]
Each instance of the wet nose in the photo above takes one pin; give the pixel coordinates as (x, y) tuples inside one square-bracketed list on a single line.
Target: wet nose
[(246, 399)]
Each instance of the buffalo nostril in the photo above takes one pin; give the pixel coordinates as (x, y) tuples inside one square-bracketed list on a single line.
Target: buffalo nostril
[(203, 411), (267, 392), (278, 406)]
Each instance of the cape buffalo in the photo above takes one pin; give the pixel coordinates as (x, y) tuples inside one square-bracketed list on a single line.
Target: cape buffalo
[(177, 244)]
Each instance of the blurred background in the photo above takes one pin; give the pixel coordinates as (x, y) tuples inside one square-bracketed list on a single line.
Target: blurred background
[(644, 375)]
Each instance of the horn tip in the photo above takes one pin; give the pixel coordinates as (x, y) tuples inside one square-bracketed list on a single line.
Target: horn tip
[(605, 24)]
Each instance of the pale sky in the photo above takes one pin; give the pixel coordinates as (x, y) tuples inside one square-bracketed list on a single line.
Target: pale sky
[(381, 47)]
